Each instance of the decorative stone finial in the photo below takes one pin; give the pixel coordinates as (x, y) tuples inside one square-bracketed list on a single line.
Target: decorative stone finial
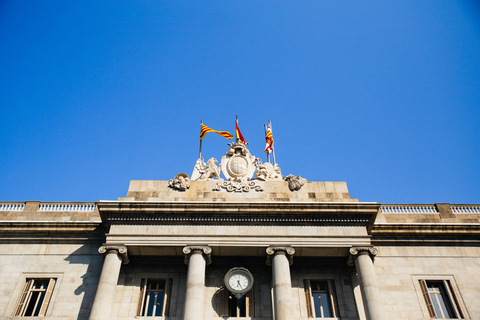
[(206, 251), (295, 182), (356, 251), (180, 182), (273, 251), (119, 249)]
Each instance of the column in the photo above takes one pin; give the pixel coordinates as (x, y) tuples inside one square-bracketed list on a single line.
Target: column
[(114, 256), (280, 258), (196, 257), (362, 258)]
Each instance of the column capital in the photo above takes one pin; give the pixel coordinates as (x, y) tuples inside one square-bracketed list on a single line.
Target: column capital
[(357, 251), (206, 251), (273, 251), (121, 250)]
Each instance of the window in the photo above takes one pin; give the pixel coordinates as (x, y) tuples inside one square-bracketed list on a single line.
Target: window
[(35, 297), (440, 300), (320, 296), (155, 296), (233, 307)]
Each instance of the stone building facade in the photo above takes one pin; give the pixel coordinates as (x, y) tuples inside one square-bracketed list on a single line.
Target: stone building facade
[(164, 252)]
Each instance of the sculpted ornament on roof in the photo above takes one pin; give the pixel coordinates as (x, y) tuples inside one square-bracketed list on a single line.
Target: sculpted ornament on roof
[(238, 166)]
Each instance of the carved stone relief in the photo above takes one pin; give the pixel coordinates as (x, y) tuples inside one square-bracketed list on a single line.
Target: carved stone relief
[(295, 182), (180, 182), (267, 171), (206, 171)]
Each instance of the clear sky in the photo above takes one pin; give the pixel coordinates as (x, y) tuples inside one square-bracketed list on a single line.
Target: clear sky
[(382, 94)]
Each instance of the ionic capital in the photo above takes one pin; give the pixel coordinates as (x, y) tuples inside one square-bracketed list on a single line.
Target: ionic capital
[(273, 251), (206, 251), (118, 249), (357, 251)]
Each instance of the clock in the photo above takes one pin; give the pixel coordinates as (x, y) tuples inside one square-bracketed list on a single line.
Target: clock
[(238, 281)]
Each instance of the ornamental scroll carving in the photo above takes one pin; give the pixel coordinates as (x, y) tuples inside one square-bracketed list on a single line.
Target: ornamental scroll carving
[(356, 251), (118, 249), (238, 186), (273, 251), (206, 251)]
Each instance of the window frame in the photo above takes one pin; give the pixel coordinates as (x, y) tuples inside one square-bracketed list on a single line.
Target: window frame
[(452, 293), (226, 298), (167, 292), (332, 298), (25, 298)]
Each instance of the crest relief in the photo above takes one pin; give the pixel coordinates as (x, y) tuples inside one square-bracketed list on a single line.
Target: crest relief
[(238, 164)]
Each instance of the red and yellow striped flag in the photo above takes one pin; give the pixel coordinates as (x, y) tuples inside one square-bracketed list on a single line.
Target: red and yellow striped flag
[(239, 134), (204, 130), (269, 140)]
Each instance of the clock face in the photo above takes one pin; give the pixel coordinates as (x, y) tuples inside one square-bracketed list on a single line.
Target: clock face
[(238, 282)]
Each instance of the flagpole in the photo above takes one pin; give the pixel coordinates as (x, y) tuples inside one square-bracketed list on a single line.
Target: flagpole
[(236, 132), (201, 122), (268, 153), (273, 146)]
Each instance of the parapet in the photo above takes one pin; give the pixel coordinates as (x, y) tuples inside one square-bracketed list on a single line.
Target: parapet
[(258, 191)]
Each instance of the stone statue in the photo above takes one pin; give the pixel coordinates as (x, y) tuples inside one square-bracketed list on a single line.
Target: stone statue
[(180, 182), (295, 182), (206, 171), (267, 171)]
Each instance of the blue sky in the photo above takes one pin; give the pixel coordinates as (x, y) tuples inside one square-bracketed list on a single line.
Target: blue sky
[(382, 94)]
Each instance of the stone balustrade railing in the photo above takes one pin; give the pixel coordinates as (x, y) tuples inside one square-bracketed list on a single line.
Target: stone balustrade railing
[(67, 206), (465, 208), (408, 208), (12, 206)]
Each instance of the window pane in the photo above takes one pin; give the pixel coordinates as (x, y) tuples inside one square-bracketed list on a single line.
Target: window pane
[(316, 301), (39, 304), (31, 304), (436, 306), (446, 307), (150, 303), (159, 304), (325, 305)]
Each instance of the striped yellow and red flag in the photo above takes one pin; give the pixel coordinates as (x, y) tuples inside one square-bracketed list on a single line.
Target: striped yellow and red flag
[(204, 130), (239, 134), (269, 140)]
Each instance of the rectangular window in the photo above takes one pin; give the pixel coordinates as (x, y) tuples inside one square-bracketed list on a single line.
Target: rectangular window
[(35, 297), (154, 297), (230, 306), (320, 297), (440, 300)]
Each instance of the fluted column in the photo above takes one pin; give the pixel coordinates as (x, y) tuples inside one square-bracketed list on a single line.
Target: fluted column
[(114, 256), (362, 258), (197, 257), (280, 258)]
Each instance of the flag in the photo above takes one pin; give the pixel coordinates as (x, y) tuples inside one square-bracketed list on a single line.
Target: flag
[(269, 140), (239, 134), (204, 130)]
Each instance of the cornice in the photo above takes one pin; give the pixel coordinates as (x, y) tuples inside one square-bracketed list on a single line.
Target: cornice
[(234, 213)]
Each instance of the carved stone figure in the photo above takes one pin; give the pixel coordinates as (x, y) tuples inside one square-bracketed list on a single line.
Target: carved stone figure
[(295, 182), (267, 171), (237, 164), (206, 171), (180, 182)]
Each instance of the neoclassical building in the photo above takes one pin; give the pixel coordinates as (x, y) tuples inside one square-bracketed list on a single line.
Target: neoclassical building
[(264, 247)]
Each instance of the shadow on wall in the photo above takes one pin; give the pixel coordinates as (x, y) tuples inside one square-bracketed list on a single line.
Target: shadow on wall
[(87, 255)]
